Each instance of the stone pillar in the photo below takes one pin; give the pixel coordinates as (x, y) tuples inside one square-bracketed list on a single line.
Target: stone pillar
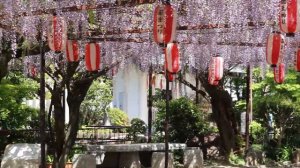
[(193, 157), (158, 160)]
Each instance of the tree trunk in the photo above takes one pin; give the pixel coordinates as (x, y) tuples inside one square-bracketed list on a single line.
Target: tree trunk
[(64, 142), (59, 124), (4, 59), (223, 115)]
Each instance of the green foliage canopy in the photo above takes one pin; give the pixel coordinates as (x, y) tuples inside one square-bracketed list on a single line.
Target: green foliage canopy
[(96, 101), (14, 113), (280, 100)]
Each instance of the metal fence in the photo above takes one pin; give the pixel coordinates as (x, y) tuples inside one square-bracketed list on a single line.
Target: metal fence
[(103, 134), (85, 135)]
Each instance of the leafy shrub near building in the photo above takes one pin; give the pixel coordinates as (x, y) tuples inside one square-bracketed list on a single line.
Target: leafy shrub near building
[(118, 117), (186, 120), (137, 128)]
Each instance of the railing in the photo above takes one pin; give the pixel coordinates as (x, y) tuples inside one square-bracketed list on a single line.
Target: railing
[(86, 135), (102, 134)]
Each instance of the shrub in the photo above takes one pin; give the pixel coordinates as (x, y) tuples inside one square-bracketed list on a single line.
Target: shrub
[(137, 126), (236, 160), (186, 120), (118, 117), (257, 132)]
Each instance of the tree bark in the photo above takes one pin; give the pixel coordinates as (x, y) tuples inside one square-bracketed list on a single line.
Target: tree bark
[(222, 108), (65, 138), (4, 60), (59, 123)]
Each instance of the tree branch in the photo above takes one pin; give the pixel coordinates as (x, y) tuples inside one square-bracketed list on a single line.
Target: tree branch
[(183, 81), (95, 75)]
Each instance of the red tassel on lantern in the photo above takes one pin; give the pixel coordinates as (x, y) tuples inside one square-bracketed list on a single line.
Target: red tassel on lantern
[(297, 60), (215, 71), (275, 48), (92, 56), (72, 51), (172, 58), (57, 33), (165, 21), (279, 73), (289, 19)]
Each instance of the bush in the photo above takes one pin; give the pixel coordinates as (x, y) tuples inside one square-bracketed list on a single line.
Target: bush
[(118, 117), (278, 153), (186, 120), (236, 160), (257, 132), (285, 153), (136, 128)]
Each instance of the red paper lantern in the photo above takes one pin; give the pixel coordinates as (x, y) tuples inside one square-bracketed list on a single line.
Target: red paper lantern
[(72, 51), (279, 73), (57, 33), (289, 18), (164, 29), (275, 48), (92, 56), (32, 70), (297, 60), (215, 70), (172, 58)]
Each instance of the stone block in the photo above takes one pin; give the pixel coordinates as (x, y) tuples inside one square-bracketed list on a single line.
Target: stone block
[(158, 160), (255, 157), (84, 161), (21, 156), (193, 158), (296, 156)]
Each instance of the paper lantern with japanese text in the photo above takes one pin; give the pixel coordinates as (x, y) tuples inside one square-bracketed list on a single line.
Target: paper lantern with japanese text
[(297, 60), (279, 73), (215, 70), (289, 18), (92, 56), (165, 22), (72, 51), (275, 48), (57, 33), (172, 58)]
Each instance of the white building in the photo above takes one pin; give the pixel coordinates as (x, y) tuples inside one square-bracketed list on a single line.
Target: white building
[(130, 91)]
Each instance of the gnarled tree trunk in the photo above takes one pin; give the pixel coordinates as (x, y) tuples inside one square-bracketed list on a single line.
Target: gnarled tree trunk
[(65, 138), (222, 108)]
